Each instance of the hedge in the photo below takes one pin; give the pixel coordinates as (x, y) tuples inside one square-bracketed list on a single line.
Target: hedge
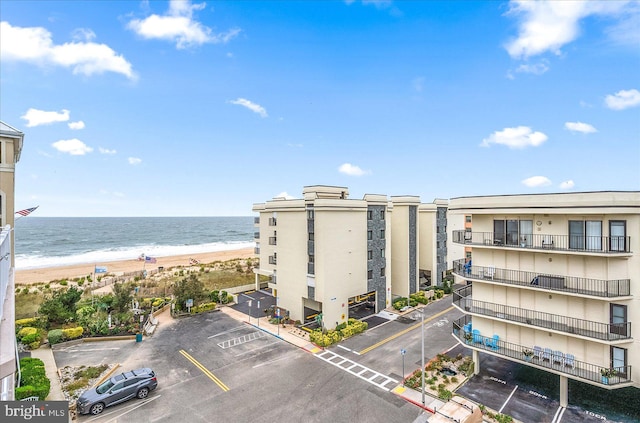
[(33, 381), (55, 336), (72, 333), (344, 330), (26, 331), (30, 321), (203, 307)]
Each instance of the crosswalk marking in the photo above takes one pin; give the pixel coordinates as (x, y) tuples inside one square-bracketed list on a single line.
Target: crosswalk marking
[(242, 339), (358, 370)]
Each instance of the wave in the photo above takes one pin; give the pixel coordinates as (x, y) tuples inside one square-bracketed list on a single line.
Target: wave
[(36, 261)]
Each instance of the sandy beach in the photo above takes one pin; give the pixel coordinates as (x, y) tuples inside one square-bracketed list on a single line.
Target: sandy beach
[(30, 276)]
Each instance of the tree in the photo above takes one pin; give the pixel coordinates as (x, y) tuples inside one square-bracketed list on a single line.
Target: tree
[(60, 307), (121, 297), (189, 288)]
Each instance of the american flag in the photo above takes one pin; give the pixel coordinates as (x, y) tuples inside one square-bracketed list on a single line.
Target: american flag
[(148, 259), (26, 212)]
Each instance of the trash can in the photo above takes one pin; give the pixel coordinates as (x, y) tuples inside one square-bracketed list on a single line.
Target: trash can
[(138, 337)]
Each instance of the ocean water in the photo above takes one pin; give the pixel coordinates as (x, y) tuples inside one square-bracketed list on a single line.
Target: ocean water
[(60, 241)]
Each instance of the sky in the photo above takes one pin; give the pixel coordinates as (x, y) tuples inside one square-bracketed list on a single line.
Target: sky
[(181, 108)]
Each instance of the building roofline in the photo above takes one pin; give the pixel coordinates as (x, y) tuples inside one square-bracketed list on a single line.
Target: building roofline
[(544, 193)]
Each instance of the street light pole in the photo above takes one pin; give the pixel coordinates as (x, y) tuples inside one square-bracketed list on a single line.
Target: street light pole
[(403, 352), (422, 355)]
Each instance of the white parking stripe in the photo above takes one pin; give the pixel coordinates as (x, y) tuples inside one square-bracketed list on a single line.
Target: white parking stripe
[(330, 356), (505, 403)]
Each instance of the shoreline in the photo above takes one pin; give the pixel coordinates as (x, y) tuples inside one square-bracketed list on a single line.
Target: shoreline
[(48, 274)]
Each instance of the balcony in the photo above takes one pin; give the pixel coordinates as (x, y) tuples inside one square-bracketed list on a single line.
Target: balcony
[(536, 280), (272, 221), (256, 250), (272, 240), (272, 260), (582, 244), (256, 220), (311, 268), (273, 279), (555, 362), (597, 330), (256, 235)]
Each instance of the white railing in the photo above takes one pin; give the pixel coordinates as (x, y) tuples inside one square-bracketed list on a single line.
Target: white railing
[(5, 264)]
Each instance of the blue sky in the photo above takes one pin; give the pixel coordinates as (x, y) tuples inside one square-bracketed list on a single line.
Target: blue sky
[(154, 108)]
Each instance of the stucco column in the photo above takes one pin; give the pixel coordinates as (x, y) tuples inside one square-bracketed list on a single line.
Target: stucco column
[(257, 281), (476, 362), (564, 391)]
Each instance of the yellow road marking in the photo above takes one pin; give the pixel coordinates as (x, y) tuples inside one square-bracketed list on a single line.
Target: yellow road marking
[(409, 329), (205, 371)]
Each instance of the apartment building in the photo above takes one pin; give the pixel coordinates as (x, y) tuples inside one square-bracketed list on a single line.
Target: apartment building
[(10, 148), (325, 251), (555, 283), (433, 234)]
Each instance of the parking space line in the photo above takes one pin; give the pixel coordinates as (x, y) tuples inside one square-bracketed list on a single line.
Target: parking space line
[(505, 403), (242, 339), (558, 416), (227, 331), (205, 371), (409, 329)]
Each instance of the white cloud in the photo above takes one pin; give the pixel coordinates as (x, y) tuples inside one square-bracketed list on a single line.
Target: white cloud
[(623, 99), (537, 181), (567, 184), (34, 45), (106, 151), (285, 195), (585, 128), (536, 69), (550, 24), (134, 161), (256, 108), (35, 117), (518, 137), (352, 170), (74, 146), (76, 125), (179, 26), (83, 34)]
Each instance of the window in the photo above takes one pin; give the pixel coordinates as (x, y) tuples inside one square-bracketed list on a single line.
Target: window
[(467, 219), (369, 235), (619, 360), (382, 252), (617, 235), (618, 319), (370, 255), (382, 214), (513, 232), (369, 215), (311, 258), (382, 271), (382, 234), (312, 236), (310, 214), (370, 274), (526, 233), (585, 235)]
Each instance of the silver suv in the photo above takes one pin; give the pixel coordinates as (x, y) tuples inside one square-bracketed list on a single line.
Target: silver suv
[(117, 389)]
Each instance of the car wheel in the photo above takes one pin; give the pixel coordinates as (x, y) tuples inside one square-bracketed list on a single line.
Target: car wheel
[(143, 393), (97, 408)]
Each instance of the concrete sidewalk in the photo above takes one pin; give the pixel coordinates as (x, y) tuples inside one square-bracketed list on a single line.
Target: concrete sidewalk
[(45, 354)]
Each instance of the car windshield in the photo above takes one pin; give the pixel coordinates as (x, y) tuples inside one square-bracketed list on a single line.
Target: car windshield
[(104, 387)]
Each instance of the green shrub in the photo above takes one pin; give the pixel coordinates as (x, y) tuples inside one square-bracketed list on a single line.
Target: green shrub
[(203, 307), (399, 303), (55, 336), (26, 331), (157, 302), (503, 418), (33, 381), (325, 339), (444, 394), (64, 283), (34, 345), (29, 322), (32, 337), (72, 333)]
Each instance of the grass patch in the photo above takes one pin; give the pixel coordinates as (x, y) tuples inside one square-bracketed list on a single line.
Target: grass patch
[(27, 305), (90, 372)]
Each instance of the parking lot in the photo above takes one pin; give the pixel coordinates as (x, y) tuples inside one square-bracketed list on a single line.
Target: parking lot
[(259, 377)]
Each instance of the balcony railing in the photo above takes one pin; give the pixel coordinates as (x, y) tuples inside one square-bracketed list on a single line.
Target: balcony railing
[(272, 260), (556, 361), (272, 221), (256, 250), (256, 235), (273, 279), (272, 240), (311, 268), (256, 220), (560, 283), (5, 264), (596, 330), (588, 244)]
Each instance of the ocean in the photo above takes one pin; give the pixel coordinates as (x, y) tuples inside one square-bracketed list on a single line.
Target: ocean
[(60, 241)]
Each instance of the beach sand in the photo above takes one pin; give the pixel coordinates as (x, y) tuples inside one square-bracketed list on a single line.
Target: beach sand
[(30, 276)]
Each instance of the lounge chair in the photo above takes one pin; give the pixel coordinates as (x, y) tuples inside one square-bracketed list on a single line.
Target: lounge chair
[(491, 270), (537, 352), (477, 338), (558, 357), (492, 342), (546, 355), (569, 360)]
